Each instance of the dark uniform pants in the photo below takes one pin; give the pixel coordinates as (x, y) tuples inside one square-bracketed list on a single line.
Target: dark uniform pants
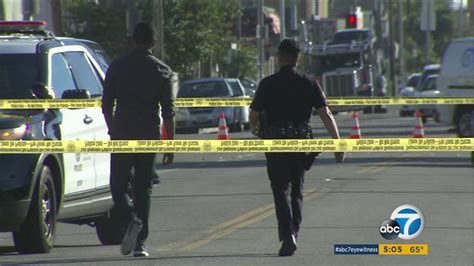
[(120, 178), (286, 174)]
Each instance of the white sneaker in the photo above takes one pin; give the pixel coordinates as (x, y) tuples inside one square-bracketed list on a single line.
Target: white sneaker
[(141, 251), (130, 239)]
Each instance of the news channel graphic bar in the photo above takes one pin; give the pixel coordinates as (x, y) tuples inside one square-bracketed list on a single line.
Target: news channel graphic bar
[(381, 249)]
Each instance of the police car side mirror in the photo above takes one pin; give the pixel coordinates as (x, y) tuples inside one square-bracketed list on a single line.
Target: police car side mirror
[(76, 94), (40, 91)]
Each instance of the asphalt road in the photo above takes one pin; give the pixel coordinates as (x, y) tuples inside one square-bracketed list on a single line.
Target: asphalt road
[(217, 209)]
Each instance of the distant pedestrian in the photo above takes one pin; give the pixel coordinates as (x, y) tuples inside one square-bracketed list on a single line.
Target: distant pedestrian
[(286, 99), (135, 86)]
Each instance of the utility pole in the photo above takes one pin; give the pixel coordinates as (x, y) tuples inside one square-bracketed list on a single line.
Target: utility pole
[(293, 17), (392, 47), (57, 17), (402, 40), (378, 13), (427, 24), (282, 20), (460, 20), (260, 36), (159, 21)]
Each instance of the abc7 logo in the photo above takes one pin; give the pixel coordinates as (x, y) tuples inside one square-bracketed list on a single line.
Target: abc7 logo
[(406, 222)]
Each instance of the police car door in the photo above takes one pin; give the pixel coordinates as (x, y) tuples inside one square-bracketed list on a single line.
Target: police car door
[(89, 75), (74, 124)]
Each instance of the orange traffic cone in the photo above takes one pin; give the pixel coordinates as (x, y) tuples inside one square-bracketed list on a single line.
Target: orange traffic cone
[(419, 130), (355, 129), (223, 129), (164, 131)]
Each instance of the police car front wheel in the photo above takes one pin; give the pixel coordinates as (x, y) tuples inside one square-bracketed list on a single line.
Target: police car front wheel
[(36, 234)]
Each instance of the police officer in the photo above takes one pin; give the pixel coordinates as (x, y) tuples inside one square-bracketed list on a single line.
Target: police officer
[(135, 86), (287, 99)]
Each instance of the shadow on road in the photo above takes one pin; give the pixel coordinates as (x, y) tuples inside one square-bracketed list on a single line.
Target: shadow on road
[(439, 162), (7, 250), (212, 195), (130, 259)]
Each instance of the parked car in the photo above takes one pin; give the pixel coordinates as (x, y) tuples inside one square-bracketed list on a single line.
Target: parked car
[(408, 88), (195, 118), (250, 86), (456, 79), (428, 89), (428, 70), (409, 91), (39, 190), (409, 110)]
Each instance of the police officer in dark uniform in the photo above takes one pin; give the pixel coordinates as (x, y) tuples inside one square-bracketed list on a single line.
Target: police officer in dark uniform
[(287, 99), (135, 86)]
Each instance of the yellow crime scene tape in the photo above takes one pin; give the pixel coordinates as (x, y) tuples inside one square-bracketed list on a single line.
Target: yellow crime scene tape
[(225, 102), (233, 146)]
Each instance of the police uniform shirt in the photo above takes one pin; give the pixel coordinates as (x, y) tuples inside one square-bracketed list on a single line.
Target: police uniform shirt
[(134, 86), (288, 96)]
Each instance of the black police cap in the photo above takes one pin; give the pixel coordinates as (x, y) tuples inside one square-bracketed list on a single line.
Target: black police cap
[(144, 33), (289, 46)]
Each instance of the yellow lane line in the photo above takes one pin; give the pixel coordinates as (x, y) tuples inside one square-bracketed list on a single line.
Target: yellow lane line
[(382, 166), (227, 231), (178, 244), (311, 194), (230, 226)]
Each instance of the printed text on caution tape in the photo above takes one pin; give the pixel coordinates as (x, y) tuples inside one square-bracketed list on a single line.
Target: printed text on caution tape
[(235, 146), (224, 102)]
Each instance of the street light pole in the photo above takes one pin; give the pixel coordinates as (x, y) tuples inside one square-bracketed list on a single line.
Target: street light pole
[(260, 38), (282, 20), (392, 47), (402, 40), (158, 17)]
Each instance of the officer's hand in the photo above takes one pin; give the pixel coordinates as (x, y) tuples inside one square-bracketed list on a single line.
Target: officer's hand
[(168, 158), (340, 156)]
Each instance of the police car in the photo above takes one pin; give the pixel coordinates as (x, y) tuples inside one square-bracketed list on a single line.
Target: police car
[(39, 190)]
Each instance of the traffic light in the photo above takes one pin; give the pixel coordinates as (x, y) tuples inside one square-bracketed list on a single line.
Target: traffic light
[(351, 21)]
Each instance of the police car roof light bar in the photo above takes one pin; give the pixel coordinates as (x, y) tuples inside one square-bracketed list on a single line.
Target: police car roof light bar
[(25, 27)]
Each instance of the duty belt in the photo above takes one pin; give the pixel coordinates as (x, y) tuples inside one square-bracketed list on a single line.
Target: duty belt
[(290, 131)]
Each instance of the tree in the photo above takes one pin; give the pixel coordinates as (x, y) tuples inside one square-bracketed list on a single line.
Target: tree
[(194, 31), (240, 63), (414, 42), (96, 22), (197, 30)]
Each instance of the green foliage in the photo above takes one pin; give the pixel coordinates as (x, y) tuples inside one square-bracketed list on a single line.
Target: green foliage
[(415, 39), (2, 12), (240, 63), (98, 23), (196, 30)]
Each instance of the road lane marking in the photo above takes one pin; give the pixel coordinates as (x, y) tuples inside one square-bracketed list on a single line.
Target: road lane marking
[(227, 231), (239, 222), (384, 165), (167, 170), (224, 225)]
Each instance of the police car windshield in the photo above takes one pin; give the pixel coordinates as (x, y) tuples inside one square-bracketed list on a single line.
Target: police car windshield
[(18, 72), (203, 90)]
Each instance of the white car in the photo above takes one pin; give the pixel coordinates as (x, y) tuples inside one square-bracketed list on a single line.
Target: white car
[(237, 118), (456, 79), (428, 89), (409, 91), (39, 190)]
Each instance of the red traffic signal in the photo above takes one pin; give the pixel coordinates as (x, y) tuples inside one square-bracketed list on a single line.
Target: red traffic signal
[(351, 21)]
